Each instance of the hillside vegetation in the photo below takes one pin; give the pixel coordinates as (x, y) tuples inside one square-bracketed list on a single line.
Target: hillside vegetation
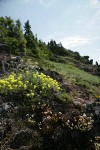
[(51, 55), (49, 95)]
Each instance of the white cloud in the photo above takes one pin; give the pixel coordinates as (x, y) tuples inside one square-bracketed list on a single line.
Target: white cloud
[(47, 3), (94, 20), (97, 50), (94, 17), (95, 3), (70, 42)]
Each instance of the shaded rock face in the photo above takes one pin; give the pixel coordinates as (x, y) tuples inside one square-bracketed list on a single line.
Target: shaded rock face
[(5, 121), (92, 69), (66, 87), (55, 75), (4, 107), (22, 138), (4, 57), (83, 93), (94, 109), (8, 62), (24, 148), (5, 127), (4, 47)]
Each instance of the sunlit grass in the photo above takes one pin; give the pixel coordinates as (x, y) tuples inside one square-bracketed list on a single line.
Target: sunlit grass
[(74, 75)]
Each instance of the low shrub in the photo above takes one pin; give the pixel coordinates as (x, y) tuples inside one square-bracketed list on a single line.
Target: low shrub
[(63, 96), (82, 123), (29, 84)]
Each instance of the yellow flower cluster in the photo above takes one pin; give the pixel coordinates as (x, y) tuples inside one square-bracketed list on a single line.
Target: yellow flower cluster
[(29, 83), (11, 83), (46, 81)]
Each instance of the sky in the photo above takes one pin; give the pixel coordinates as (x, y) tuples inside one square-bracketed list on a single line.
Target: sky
[(74, 23)]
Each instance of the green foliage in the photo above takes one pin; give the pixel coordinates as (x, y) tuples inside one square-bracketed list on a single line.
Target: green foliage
[(29, 36), (37, 47), (57, 49), (49, 116), (85, 59), (74, 55), (74, 75), (19, 36), (63, 96), (11, 34), (12, 43)]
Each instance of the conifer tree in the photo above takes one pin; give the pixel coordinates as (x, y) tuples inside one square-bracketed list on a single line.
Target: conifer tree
[(29, 36), (20, 36)]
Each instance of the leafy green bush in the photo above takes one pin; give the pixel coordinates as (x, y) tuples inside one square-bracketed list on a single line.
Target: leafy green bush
[(63, 96)]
